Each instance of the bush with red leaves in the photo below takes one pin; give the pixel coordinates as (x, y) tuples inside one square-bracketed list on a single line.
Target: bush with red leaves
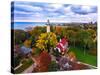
[(42, 61)]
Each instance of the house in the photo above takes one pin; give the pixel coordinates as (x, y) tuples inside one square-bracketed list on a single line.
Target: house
[(62, 46), (25, 50)]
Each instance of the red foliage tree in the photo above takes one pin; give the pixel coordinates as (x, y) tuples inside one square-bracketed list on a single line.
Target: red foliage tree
[(42, 61)]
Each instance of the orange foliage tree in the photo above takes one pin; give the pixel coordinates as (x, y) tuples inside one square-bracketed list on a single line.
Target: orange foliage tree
[(58, 29), (27, 43)]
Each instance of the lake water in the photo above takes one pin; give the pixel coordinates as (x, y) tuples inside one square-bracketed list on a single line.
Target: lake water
[(23, 25)]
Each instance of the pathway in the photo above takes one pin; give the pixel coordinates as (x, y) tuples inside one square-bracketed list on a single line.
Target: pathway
[(29, 69)]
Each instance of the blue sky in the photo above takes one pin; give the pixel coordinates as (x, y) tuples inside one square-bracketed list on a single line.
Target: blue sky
[(40, 12)]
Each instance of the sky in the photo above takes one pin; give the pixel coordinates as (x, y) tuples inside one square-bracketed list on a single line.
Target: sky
[(40, 12)]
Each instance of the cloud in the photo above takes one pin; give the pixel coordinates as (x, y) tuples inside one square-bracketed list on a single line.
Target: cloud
[(39, 12), (37, 15), (26, 8), (56, 6), (83, 9), (86, 8)]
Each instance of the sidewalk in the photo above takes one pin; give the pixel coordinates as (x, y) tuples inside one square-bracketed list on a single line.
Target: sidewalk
[(90, 66), (29, 69)]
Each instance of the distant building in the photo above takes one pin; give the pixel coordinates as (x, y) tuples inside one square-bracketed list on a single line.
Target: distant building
[(48, 26)]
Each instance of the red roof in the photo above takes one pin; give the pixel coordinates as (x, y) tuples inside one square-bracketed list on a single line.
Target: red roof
[(63, 41), (61, 45)]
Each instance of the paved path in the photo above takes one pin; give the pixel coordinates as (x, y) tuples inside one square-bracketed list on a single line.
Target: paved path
[(90, 66), (29, 69), (18, 66)]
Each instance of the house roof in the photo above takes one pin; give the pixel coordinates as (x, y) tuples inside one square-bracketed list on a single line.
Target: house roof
[(25, 50), (62, 45)]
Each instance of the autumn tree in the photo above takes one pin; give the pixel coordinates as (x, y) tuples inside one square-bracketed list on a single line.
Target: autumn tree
[(58, 30), (72, 56), (42, 62), (27, 43), (46, 41)]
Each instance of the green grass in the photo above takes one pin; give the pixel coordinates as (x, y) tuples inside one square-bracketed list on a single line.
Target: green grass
[(87, 58), (24, 66)]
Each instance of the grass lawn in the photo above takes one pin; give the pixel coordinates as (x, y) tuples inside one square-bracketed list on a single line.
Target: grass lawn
[(24, 66), (87, 58)]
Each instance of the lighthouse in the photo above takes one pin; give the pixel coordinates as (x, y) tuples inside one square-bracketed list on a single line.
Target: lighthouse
[(48, 26)]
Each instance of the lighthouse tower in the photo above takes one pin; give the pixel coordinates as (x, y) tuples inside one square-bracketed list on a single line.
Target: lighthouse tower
[(48, 26)]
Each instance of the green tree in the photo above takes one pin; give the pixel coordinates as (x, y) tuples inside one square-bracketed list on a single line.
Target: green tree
[(72, 36), (19, 36), (36, 31), (85, 37)]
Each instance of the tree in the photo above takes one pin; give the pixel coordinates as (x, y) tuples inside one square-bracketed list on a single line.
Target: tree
[(19, 36), (52, 28), (33, 39), (42, 62), (53, 66), (36, 31), (85, 38), (27, 43), (72, 56), (58, 30), (72, 36), (46, 41)]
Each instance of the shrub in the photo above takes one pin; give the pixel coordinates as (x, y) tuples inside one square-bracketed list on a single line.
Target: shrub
[(17, 61), (72, 56), (93, 52), (53, 66), (36, 51), (42, 61), (19, 36)]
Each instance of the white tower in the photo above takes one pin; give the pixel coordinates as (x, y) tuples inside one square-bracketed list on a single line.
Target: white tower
[(48, 26)]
